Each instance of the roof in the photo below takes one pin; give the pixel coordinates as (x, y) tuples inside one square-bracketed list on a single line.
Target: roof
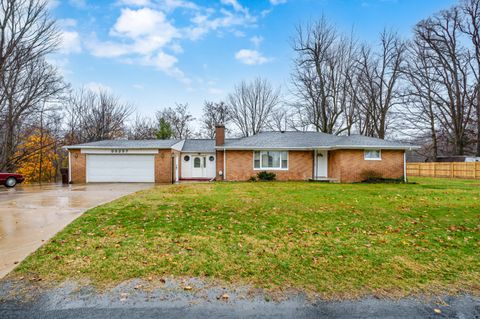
[(199, 146), (265, 140), (310, 140), (131, 144)]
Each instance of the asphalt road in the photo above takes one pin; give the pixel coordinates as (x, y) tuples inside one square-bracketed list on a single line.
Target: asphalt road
[(171, 301)]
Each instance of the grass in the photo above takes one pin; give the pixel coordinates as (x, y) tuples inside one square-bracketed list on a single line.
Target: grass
[(338, 240)]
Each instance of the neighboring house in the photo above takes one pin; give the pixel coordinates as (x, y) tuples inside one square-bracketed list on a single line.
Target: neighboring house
[(290, 155)]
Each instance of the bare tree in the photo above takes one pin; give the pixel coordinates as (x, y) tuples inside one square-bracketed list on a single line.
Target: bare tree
[(142, 128), (179, 119), (250, 105), (422, 110), (27, 35), (323, 70), (451, 62), (279, 120), (471, 27), (379, 75), (94, 116), (214, 114)]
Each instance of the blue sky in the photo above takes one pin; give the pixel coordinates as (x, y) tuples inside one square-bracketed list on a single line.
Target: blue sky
[(154, 53)]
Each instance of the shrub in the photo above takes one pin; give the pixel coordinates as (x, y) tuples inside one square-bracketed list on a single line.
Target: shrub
[(266, 176), (252, 178), (372, 176)]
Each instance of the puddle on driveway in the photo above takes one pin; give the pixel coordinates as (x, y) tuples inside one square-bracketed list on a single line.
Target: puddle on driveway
[(30, 215)]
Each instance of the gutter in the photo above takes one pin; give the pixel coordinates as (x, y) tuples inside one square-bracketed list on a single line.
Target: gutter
[(336, 147)]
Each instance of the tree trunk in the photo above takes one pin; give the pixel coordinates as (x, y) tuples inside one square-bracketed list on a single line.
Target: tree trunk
[(478, 118)]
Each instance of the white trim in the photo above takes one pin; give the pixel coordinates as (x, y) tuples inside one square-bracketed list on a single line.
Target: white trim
[(372, 159), (119, 151), (177, 158), (198, 153), (178, 146), (70, 168), (270, 168), (316, 163)]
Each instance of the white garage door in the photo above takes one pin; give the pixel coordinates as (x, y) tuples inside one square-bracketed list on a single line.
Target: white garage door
[(120, 168)]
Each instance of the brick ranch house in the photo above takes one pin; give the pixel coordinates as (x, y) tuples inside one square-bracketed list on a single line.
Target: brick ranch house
[(290, 155)]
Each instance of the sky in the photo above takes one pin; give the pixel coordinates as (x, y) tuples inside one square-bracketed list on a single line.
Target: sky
[(155, 53)]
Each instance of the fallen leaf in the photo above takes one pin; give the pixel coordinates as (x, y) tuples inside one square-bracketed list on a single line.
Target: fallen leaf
[(223, 297), (187, 288), (437, 311)]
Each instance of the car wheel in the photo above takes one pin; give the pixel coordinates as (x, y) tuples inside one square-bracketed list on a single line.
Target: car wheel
[(11, 182)]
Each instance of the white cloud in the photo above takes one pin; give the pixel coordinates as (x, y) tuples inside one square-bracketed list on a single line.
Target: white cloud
[(144, 34), (67, 23), (138, 3), (80, 4), (144, 22), (52, 4), (174, 4), (215, 91), (251, 57), (70, 42), (204, 23), (277, 2), (97, 87), (166, 63), (235, 4), (256, 40), (107, 49)]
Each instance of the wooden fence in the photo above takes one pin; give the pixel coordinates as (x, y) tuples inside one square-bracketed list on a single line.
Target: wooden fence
[(445, 169)]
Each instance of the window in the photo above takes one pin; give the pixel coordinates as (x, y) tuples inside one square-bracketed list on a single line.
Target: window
[(197, 162), (270, 160), (186, 158), (211, 158), (373, 155)]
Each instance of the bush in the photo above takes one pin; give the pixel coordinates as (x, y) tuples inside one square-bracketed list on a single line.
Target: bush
[(372, 176), (266, 176), (252, 178)]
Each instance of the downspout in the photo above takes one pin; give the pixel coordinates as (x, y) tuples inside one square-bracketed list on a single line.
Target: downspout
[(405, 166), (224, 164), (69, 168)]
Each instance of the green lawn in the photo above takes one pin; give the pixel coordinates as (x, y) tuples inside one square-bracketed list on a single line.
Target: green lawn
[(339, 240)]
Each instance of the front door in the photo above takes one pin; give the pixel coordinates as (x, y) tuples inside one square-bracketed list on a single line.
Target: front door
[(322, 164), (199, 166)]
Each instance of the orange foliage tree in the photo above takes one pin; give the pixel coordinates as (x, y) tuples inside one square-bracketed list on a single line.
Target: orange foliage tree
[(38, 164)]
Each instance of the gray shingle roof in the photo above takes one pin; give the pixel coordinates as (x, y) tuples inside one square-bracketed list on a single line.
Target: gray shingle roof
[(132, 144), (200, 146), (309, 140), (264, 140)]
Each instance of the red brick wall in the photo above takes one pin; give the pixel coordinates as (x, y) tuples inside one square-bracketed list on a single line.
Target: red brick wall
[(240, 166), (163, 166), (348, 165), (219, 164), (78, 167)]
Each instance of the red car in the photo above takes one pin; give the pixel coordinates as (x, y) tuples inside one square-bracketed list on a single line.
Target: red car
[(10, 179)]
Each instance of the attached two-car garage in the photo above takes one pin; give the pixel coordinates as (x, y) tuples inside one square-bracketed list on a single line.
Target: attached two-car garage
[(132, 168), (124, 161)]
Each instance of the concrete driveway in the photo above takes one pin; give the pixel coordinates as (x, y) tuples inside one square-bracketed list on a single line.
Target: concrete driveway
[(30, 215)]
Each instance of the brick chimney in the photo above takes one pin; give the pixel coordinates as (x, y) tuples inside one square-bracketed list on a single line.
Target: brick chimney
[(219, 135)]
